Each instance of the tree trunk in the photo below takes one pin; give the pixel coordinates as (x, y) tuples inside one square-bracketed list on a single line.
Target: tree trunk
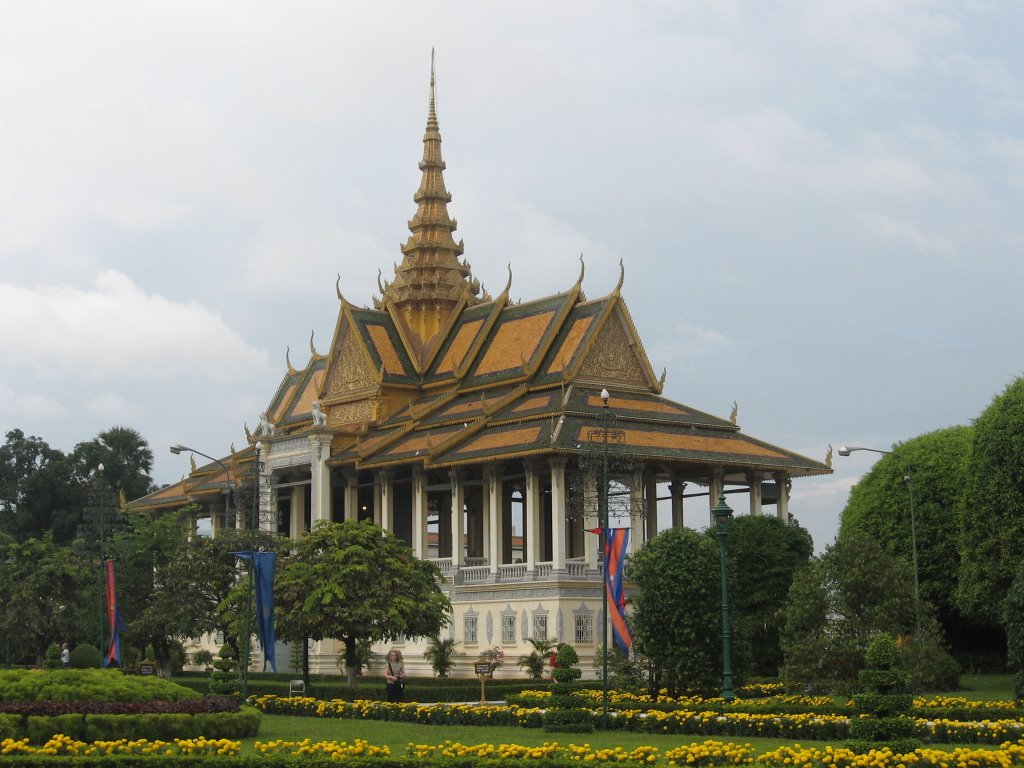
[(351, 662), (305, 663)]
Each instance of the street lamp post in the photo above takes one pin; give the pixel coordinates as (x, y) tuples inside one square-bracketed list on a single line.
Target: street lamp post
[(9, 562), (101, 500), (602, 500), (253, 524), (722, 513), (846, 450), (178, 448)]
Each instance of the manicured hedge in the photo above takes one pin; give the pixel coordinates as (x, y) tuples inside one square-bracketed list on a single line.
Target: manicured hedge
[(368, 688), (165, 727)]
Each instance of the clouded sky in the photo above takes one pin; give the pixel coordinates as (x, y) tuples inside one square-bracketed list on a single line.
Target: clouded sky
[(818, 204)]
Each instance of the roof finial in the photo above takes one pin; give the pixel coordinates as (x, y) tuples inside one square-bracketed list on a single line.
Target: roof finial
[(432, 114)]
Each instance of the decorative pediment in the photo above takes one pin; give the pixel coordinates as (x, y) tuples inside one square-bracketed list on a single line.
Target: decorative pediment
[(351, 372), (614, 357)]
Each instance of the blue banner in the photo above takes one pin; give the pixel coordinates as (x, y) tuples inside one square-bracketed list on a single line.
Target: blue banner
[(263, 578)]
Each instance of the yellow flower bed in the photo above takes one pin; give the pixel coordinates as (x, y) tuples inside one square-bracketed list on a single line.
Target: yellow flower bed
[(66, 746), (695, 755), (336, 750)]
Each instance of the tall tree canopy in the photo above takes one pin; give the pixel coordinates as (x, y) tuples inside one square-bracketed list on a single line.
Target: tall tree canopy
[(354, 581), (879, 506), (676, 616), (40, 489), (992, 531), (764, 555)]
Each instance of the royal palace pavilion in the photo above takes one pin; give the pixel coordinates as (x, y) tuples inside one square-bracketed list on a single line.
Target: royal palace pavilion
[(475, 429)]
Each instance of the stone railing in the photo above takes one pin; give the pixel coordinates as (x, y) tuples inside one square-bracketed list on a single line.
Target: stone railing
[(512, 572), (475, 574)]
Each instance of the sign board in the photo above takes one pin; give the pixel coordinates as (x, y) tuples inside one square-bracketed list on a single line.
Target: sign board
[(483, 669), (147, 668)]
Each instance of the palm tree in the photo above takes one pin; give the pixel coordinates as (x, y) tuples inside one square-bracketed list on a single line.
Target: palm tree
[(534, 662), (440, 654)]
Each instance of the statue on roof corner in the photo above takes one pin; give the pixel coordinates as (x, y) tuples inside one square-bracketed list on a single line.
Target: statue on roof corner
[(266, 425), (319, 417)]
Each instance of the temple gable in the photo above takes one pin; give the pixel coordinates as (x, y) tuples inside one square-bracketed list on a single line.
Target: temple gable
[(615, 356)]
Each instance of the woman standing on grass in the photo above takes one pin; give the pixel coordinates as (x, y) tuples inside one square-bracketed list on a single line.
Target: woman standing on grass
[(394, 674)]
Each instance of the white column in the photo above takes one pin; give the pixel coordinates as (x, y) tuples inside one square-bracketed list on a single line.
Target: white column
[(782, 510), (496, 515), (678, 487), (419, 513), (558, 517), (458, 519), (754, 479), (715, 488), (351, 494), (591, 542), (298, 512), (485, 521), (532, 516), (384, 512), (320, 489)]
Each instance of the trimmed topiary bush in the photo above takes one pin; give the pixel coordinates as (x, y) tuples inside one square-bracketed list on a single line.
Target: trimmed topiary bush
[(566, 713), (224, 680), (885, 702), (85, 656)]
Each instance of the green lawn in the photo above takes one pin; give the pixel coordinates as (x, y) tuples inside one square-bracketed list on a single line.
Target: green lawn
[(986, 687), (398, 735)]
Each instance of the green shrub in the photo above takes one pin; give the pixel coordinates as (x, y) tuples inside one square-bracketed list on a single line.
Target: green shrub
[(40, 728), (52, 658), (930, 665), (568, 721), (85, 656), (10, 727)]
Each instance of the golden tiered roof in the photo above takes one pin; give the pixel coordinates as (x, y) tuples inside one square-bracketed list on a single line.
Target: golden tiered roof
[(438, 376)]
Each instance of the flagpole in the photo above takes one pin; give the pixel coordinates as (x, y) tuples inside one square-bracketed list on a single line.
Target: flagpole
[(603, 502)]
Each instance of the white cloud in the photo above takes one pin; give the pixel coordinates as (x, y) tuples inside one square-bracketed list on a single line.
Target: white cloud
[(115, 408), (115, 328), (903, 232), (31, 406)]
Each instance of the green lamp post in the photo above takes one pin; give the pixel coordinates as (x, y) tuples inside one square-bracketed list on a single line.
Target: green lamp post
[(722, 513)]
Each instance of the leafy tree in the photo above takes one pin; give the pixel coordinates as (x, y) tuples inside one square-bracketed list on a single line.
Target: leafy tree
[(40, 490), (764, 555), (879, 506), (992, 530), (835, 607), (42, 593), (676, 619), (353, 581)]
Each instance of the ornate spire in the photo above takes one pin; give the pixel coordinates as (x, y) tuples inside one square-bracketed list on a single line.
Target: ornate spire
[(431, 280)]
